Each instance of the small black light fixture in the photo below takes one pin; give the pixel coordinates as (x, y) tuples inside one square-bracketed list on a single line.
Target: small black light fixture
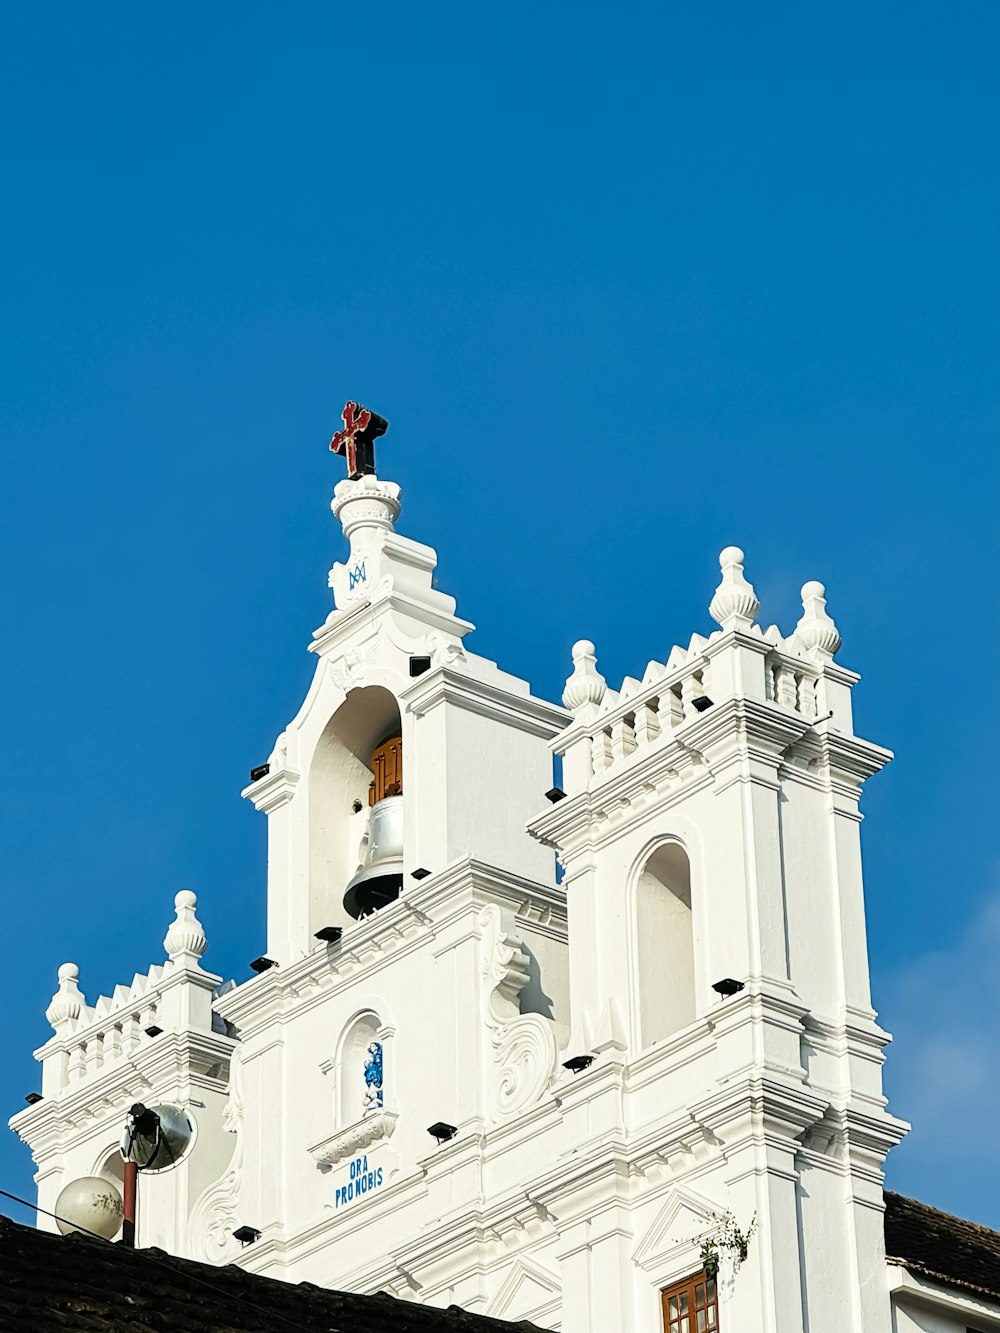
[(261, 771), (419, 664), (153, 1030), (246, 1235), (442, 1132), (728, 986), (262, 964), (576, 1064), (356, 807), (701, 703), (420, 873), (555, 794), (33, 1098), (330, 934)]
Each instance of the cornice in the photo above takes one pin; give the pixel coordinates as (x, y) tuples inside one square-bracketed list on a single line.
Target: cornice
[(699, 752), (691, 1044), (174, 1058), (342, 626), (746, 721), (840, 674), (596, 1177), (338, 626), (418, 917), (445, 684), (597, 816), (273, 790), (851, 756), (788, 1108), (752, 640)]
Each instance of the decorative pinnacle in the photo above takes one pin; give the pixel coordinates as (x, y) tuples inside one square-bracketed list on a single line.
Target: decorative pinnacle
[(816, 631), (735, 603), (586, 686), (68, 1001), (185, 939)]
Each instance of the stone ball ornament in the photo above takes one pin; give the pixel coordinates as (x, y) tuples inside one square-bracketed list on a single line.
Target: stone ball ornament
[(90, 1204)]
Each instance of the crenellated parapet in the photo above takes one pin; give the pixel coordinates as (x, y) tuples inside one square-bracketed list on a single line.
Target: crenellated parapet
[(794, 673), (170, 1004), (157, 1039)]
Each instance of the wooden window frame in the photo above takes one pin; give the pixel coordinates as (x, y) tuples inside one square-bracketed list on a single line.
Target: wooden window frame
[(685, 1318)]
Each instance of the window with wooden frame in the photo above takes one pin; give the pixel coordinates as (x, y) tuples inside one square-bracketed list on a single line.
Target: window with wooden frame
[(691, 1306)]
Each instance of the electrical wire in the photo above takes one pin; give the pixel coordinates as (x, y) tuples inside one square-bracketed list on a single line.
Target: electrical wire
[(152, 1259)]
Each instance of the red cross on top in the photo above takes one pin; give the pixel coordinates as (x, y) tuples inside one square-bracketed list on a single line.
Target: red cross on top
[(356, 441)]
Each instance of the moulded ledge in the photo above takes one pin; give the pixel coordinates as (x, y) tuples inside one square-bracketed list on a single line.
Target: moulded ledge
[(354, 1138)]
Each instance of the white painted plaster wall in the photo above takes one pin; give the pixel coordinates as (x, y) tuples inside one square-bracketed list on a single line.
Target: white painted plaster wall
[(569, 1199)]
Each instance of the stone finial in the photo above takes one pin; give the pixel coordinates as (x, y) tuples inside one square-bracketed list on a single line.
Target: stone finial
[(68, 1001), (366, 503), (735, 602), (816, 631), (586, 685), (185, 939)]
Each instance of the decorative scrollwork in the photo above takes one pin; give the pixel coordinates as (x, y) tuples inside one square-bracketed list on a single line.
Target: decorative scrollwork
[(524, 1047), (215, 1215)]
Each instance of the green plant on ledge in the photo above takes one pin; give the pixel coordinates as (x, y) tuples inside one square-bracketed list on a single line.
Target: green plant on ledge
[(726, 1236)]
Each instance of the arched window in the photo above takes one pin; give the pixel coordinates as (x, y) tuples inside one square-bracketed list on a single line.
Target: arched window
[(664, 944), (357, 761), (361, 1074)]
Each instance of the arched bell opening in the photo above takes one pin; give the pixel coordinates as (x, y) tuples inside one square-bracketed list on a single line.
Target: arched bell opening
[(356, 810), (381, 878), (664, 944)]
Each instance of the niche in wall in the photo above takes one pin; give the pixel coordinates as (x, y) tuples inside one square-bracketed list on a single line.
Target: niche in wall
[(361, 1071), (664, 944)]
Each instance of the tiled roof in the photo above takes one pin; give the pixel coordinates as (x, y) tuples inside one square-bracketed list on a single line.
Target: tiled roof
[(943, 1248), (77, 1284)]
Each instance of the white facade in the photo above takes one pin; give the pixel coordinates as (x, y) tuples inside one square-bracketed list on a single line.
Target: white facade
[(709, 830)]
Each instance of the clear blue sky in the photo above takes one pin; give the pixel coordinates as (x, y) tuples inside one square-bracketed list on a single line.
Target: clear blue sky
[(630, 283)]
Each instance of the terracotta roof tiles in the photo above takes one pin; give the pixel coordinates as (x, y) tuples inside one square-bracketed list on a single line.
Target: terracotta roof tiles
[(78, 1284), (941, 1247)]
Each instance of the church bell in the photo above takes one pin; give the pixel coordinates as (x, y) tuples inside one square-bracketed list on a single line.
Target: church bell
[(381, 878)]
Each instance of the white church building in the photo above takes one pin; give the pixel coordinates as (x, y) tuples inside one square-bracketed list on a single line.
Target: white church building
[(564, 1011)]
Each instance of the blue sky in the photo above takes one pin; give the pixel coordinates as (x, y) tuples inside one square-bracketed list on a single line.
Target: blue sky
[(630, 285)]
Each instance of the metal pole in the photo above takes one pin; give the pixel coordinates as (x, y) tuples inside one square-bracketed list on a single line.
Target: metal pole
[(129, 1193)]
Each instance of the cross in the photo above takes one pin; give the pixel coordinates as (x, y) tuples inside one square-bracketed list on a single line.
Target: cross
[(356, 441)]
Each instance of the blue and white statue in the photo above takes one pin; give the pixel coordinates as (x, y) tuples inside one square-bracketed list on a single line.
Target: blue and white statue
[(373, 1078)]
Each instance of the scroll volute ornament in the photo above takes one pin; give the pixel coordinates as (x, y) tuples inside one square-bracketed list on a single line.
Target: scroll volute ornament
[(387, 765)]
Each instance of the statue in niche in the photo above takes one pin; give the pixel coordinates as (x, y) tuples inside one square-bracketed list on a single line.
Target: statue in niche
[(373, 1078)]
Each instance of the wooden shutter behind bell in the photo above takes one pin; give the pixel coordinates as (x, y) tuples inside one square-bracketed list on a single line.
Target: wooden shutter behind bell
[(387, 765)]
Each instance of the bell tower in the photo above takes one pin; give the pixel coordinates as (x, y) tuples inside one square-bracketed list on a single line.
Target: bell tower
[(710, 839), (404, 748)]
